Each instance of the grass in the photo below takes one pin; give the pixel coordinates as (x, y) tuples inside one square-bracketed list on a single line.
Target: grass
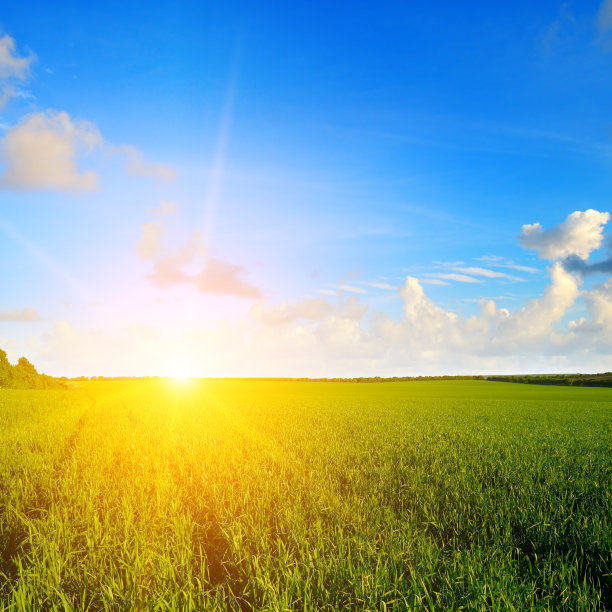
[(306, 496)]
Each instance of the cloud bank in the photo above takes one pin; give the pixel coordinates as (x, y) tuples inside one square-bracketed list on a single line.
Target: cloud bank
[(330, 337), (318, 337)]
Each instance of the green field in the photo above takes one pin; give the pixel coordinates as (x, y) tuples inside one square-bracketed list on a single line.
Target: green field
[(306, 496)]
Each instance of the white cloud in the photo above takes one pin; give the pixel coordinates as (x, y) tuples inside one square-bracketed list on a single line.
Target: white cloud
[(501, 262), (459, 278), (23, 315), (475, 271), (599, 306), (351, 288), (532, 324), (433, 281), (11, 65), (134, 164), (579, 234), (40, 153), (315, 337), (378, 285)]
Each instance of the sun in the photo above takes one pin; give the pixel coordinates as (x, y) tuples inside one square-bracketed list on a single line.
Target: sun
[(181, 372)]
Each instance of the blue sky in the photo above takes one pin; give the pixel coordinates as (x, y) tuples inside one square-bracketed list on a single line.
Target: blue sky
[(254, 189)]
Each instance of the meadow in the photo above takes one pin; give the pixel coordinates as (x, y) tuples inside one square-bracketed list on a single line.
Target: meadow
[(240, 495)]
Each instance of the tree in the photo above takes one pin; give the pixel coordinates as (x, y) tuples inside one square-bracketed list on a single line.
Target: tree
[(25, 375), (6, 370)]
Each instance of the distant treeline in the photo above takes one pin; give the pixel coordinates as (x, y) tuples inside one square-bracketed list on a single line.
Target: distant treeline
[(584, 380), (361, 379), (569, 380), (23, 375)]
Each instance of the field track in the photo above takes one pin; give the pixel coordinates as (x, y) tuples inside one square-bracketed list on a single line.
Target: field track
[(230, 495)]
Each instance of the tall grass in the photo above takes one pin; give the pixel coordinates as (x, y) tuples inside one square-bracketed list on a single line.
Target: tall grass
[(306, 496)]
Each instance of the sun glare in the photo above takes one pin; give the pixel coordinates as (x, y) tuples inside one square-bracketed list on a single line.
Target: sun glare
[(181, 373), (181, 380)]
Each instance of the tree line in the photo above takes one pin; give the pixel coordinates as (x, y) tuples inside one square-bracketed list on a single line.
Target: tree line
[(23, 375), (603, 379)]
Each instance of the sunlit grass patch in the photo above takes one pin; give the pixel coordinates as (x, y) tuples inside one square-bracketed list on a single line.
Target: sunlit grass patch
[(314, 496)]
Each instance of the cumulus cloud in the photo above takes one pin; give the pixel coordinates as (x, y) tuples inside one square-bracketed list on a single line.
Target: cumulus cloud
[(40, 153), (321, 337), (532, 324), (11, 65), (599, 304), (23, 315), (134, 164), (344, 337), (578, 235)]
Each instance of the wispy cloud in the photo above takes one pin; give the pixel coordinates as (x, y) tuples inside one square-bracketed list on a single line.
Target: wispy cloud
[(496, 261), (378, 285), (223, 278), (433, 281), (134, 164), (555, 30), (451, 276), (351, 288), (475, 271)]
